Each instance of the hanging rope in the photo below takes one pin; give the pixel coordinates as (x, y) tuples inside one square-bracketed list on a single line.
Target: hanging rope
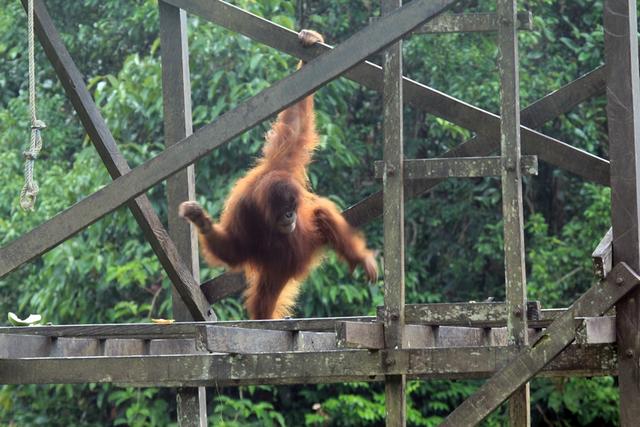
[(30, 189)]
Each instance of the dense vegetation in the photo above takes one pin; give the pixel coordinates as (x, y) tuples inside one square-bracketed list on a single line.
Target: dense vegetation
[(454, 240)]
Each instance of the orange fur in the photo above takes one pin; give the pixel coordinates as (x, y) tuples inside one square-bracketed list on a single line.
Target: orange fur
[(247, 238)]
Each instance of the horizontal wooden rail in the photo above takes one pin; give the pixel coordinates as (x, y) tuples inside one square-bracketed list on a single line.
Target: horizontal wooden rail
[(457, 167), (295, 367)]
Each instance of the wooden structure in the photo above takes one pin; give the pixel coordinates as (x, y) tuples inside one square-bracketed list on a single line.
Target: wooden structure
[(507, 342)]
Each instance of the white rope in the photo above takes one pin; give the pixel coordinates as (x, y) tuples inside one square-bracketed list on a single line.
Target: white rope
[(30, 189)]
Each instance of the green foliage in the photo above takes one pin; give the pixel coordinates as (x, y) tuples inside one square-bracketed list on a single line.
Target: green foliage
[(107, 273)]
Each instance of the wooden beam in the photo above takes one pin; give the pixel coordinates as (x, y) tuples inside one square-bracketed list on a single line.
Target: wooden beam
[(476, 314), (430, 100), (245, 116), (623, 124), (393, 219), (471, 23), (223, 286), (512, 204), (595, 302), (602, 256), (95, 126), (178, 330), (294, 367), (457, 167), (176, 101)]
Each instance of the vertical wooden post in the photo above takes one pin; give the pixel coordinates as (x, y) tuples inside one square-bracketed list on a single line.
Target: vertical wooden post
[(393, 220), (623, 115), (515, 276), (176, 93)]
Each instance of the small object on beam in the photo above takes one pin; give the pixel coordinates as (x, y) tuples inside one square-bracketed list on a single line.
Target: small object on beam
[(458, 167), (603, 255), (471, 23), (596, 330)]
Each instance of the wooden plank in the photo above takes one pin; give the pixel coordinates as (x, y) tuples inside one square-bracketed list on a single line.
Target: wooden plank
[(124, 347), (95, 126), (457, 167), (173, 346), (295, 367), (13, 346), (603, 255), (512, 205), (477, 314), (430, 100), (471, 23), (393, 219), (228, 339), (179, 330), (595, 302), (596, 330), (360, 335), (314, 341), (245, 116), (623, 124), (176, 101), (74, 347)]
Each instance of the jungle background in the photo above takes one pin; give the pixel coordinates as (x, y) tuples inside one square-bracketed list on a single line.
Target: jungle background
[(108, 273)]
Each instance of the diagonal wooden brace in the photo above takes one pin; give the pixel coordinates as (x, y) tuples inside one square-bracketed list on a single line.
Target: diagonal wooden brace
[(551, 342), (116, 164)]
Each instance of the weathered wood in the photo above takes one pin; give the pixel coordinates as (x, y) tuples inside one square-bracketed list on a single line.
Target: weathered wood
[(116, 165), (512, 205), (223, 286), (603, 255), (295, 367), (360, 335), (314, 341), (564, 99), (596, 330), (74, 347), (13, 346), (471, 23), (595, 302), (124, 347), (623, 124), (477, 314), (178, 330), (176, 101), (457, 167), (173, 346), (245, 116), (430, 100), (393, 219), (228, 339)]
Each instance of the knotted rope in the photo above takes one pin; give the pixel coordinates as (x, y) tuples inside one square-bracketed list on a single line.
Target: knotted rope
[(30, 189)]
